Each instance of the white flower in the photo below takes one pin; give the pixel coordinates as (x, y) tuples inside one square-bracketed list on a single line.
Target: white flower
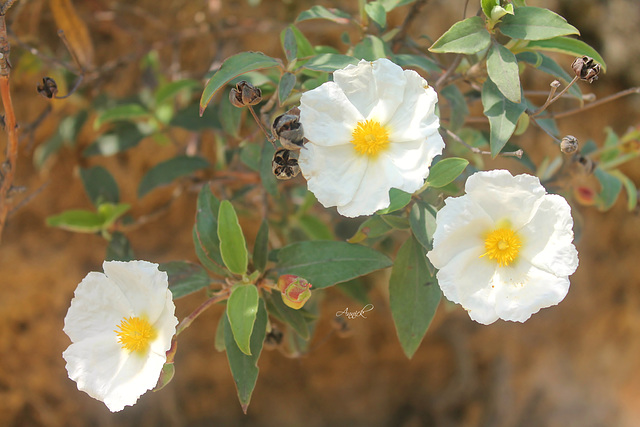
[(504, 249), (371, 129), (120, 324)]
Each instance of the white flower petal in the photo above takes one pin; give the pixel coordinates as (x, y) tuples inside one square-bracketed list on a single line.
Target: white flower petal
[(328, 117), (142, 284), (165, 327), (373, 192), (333, 174), (413, 159), (504, 196), (548, 236), (98, 305), (415, 117), (524, 289), (459, 226)]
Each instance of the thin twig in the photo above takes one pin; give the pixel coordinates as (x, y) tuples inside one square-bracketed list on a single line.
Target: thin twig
[(448, 72), (262, 127), (593, 104), (398, 39), (10, 121), (6, 6), (555, 98), (187, 321), (554, 87), (517, 153), (535, 122)]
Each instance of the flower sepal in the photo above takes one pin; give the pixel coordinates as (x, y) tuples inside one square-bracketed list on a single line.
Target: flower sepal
[(295, 290)]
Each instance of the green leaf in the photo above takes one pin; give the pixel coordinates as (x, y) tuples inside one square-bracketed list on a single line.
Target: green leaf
[(413, 295), (547, 65), (261, 247), (165, 172), (244, 368), (122, 137), (219, 339), (185, 277), (232, 245), (535, 23), (488, 5), (503, 115), (233, 67), (398, 199), (417, 61), (171, 90), (315, 228), (569, 46), (325, 263), (329, 62), (372, 48), (502, 68), (389, 5), (287, 82), (457, 105), (371, 228), (423, 223), (377, 13), (119, 248), (242, 308), (355, 289), (321, 12), (230, 117), (127, 112), (468, 36), (397, 222), (250, 155), (293, 318), (111, 212), (611, 140), (630, 188), (205, 232), (100, 185), (188, 118), (80, 221), (305, 49), (269, 181), (445, 171), (610, 189), (289, 44)]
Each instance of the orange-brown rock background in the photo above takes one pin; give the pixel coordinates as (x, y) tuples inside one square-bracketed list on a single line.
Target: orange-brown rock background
[(575, 364)]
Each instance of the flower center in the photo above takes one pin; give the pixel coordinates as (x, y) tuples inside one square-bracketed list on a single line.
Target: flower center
[(370, 137), (503, 245), (135, 334)]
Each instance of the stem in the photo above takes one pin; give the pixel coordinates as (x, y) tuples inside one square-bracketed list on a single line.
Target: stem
[(264, 129), (554, 86), (397, 41), (187, 321), (535, 122), (448, 72), (551, 99), (10, 121), (517, 153), (364, 18), (594, 104), (6, 6)]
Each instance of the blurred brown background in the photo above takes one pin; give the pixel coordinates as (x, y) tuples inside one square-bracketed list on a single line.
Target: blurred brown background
[(575, 364)]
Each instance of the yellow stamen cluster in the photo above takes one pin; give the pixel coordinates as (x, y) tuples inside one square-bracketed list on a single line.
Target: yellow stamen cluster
[(135, 334), (370, 137), (503, 245)]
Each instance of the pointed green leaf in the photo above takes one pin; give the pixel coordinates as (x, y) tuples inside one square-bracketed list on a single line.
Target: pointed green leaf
[(230, 116), (244, 368), (127, 112), (289, 44), (260, 247), (314, 227), (170, 90), (502, 68), (165, 172), (286, 85), (630, 188), (413, 295), (398, 199), (547, 65), (321, 12), (119, 248), (372, 48), (233, 67), (371, 228), (242, 308), (232, 245), (329, 62), (445, 171), (184, 277), (417, 61), (397, 222), (304, 47), (610, 189), (488, 5), (569, 46), (100, 185), (468, 36), (205, 232), (503, 115), (423, 223), (80, 221), (535, 23), (325, 263), (377, 13)]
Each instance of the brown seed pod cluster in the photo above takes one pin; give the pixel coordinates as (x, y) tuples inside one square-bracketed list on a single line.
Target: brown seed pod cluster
[(283, 165), (48, 88), (245, 94), (569, 144), (288, 129), (586, 68)]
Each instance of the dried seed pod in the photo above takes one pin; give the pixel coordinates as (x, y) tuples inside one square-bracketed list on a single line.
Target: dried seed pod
[(283, 165), (586, 68), (288, 129), (245, 94), (569, 144), (48, 88)]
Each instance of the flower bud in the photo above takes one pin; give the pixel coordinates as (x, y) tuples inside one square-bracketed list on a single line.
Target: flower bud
[(584, 195), (245, 94), (295, 290), (283, 165), (569, 144), (48, 88), (288, 129), (586, 68)]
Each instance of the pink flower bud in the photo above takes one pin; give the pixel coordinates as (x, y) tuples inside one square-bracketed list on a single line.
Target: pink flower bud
[(295, 290)]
